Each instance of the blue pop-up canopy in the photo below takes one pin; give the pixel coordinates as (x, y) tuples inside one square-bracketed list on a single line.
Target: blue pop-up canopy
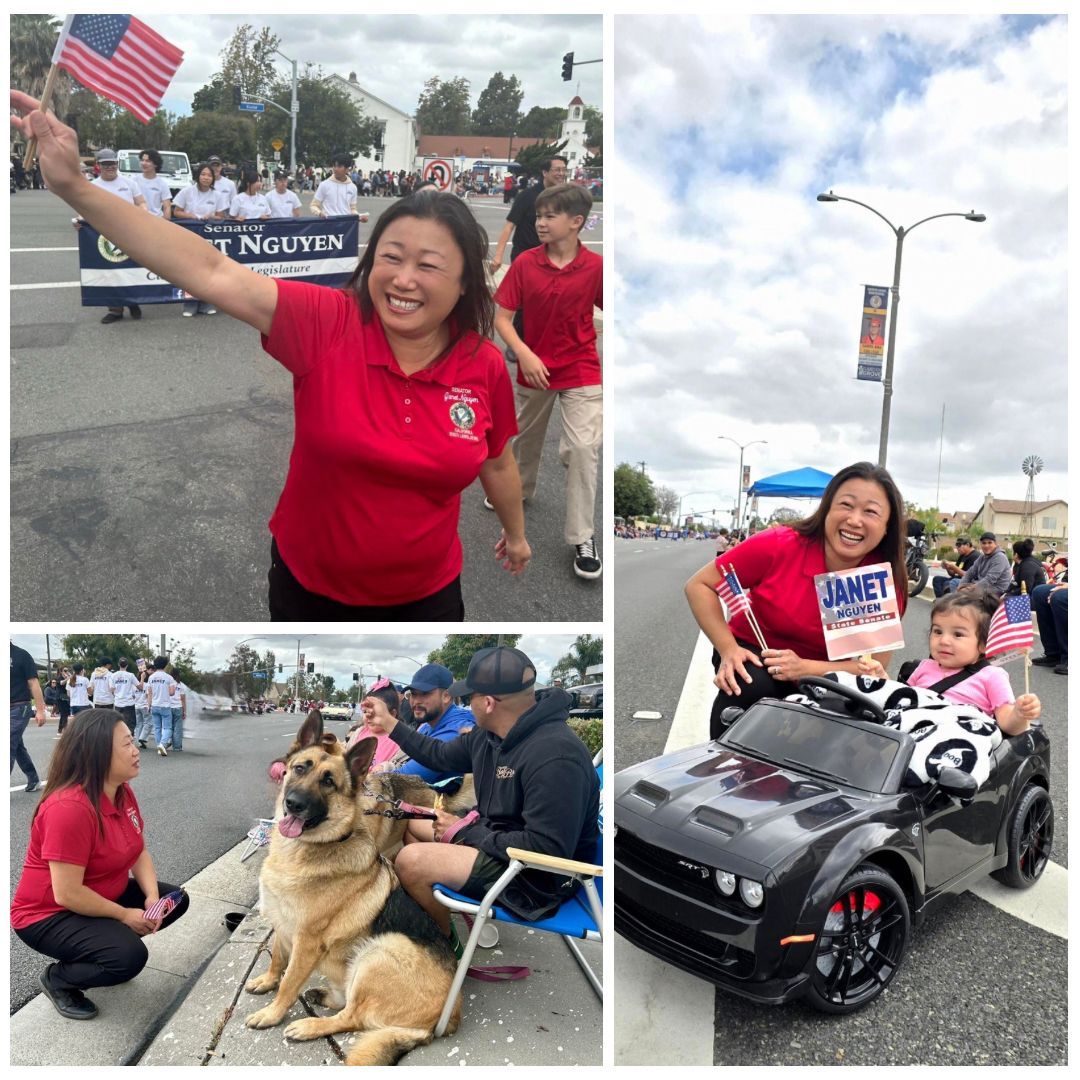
[(804, 483)]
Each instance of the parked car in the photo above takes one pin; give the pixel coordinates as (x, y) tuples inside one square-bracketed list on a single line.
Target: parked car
[(588, 700), (786, 859), (341, 711), (175, 167)]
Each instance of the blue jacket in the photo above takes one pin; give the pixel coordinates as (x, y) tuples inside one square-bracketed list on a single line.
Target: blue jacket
[(449, 726)]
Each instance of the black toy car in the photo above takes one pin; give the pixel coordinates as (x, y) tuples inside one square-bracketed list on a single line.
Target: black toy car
[(786, 859)]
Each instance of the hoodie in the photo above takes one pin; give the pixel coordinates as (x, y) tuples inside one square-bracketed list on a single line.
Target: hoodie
[(536, 789)]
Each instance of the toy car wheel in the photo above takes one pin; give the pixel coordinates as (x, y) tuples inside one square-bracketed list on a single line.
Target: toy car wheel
[(861, 943), (1030, 839)]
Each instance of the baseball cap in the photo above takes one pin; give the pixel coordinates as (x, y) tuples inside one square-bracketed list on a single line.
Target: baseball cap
[(988, 536), (432, 677), (496, 671), (212, 158), (281, 174), (963, 540), (104, 155)]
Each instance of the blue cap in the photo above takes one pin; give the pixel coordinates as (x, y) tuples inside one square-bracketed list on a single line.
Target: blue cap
[(432, 677)]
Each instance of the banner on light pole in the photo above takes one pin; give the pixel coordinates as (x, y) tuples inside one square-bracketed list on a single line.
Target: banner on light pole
[(746, 478), (872, 332)]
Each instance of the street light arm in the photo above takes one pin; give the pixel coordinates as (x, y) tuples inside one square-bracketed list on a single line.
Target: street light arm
[(933, 216), (844, 198)]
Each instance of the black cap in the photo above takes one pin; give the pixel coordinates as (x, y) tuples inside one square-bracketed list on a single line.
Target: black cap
[(988, 536), (497, 671), (105, 660)]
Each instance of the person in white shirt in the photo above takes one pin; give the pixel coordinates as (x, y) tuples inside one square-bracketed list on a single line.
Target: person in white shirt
[(111, 180), (283, 202), (160, 690), (221, 183), (78, 689), (101, 684), (336, 195), (154, 188), (142, 708), (249, 203), (199, 202), (124, 687), (179, 711)]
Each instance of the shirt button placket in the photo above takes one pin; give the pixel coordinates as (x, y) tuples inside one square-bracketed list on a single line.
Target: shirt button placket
[(407, 411)]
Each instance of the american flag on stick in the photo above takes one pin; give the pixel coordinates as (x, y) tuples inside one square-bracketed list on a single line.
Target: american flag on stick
[(735, 600), (160, 908), (1010, 628), (120, 58)]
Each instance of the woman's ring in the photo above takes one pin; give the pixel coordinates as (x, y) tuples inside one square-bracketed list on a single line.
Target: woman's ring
[(774, 671)]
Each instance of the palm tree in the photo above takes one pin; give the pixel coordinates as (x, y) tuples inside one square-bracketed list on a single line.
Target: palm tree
[(33, 38), (586, 652)]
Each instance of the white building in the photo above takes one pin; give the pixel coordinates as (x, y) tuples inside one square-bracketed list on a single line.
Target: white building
[(399, 130), (573, 131)]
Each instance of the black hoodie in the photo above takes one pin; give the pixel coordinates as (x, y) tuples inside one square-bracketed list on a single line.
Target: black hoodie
[(536, 789)]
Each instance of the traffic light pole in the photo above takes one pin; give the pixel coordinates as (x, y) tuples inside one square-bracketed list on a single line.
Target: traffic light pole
[(569, 63)]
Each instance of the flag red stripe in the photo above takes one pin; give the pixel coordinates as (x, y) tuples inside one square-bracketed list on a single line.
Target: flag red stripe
[(88, 68), (104, 92), (168, 52), (146, 63)]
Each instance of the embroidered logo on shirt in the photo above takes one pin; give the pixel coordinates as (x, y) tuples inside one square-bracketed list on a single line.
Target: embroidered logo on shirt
[(134, 819), (462, 415), (504, 772)]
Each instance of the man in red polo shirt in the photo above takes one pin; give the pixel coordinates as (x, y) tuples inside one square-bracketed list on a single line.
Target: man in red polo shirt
[(556, 286)]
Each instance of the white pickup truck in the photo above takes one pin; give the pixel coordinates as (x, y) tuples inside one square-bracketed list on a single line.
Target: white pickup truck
[(175, 167)]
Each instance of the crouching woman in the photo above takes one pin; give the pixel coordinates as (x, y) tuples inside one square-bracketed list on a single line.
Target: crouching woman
[(88, 877)]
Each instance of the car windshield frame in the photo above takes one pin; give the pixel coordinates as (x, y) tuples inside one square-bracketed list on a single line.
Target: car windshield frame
[(850, 752)]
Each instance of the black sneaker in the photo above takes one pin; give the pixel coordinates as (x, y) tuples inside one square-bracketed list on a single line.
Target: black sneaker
[(72, 1004), (586, 560), (142, 743), (1062, 669), (1046, 661), (34, 785), (111, 317), (135, 311)]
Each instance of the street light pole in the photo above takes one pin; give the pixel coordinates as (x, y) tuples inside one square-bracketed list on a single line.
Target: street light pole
[(294, 108), (900, 233), (738, 489)]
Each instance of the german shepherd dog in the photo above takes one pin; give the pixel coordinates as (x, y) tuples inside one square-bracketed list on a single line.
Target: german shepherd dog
[(337, 907)]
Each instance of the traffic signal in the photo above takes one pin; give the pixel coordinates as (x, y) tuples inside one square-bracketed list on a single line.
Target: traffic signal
[(568, 67), (311, 669), (236, 96), (356, 676), (280, 668)]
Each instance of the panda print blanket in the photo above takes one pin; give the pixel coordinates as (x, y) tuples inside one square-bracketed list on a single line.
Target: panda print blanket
[(946, 735)]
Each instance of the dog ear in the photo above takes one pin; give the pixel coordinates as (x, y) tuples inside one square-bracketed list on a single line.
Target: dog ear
[(359, 758), (311, 730)]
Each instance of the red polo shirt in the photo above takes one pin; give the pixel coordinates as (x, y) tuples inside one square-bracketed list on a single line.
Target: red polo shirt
[(777, 567), (66, 830), (557, 306), (369, 513)]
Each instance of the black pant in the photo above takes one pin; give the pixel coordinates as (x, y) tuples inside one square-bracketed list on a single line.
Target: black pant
[(94, 951), (290, 601), (763, 685), (128, 713), (64, 708)]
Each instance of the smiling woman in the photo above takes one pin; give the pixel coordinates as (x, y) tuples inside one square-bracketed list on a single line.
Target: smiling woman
[(859, 522), (401, 402)]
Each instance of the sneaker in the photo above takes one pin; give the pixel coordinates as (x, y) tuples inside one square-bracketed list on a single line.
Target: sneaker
[(188, 314), (111, 317), (207, 309), (34, 785), (71, 1004), (1061, 669), (1046, 661), (135, 310), (142, 743), (162, 751), (586, 560)]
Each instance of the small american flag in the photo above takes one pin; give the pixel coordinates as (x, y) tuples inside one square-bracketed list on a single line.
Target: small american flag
[(1010, 627), (162, 907), (120, 58), (730, 591)]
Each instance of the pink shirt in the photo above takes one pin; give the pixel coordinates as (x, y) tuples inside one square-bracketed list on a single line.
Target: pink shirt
[(986, 690)]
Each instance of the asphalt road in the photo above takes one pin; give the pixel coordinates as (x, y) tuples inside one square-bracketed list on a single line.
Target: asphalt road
[(196, 804), (978, 986), (146, 458)]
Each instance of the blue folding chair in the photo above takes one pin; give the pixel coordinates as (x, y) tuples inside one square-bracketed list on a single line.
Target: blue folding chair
[(578, 919)]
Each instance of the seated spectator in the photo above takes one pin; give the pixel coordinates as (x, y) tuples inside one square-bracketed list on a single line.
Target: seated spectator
[(965, 556), (1051, 606), (1027, 570), (991, 570)]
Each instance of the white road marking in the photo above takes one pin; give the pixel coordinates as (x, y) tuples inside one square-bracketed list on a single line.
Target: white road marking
[(48, 285), (20, 251)]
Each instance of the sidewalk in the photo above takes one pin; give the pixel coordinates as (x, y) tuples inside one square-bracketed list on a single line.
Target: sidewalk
[(188, 1005)]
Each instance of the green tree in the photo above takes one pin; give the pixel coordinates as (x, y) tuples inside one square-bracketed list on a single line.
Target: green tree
[(247, 61), (594, 127), (90, 648), (206, 133), (531, 158), (667, 502), (931, 517), (183, 663), (243, 663), (540, 123), (443, 108), (634, 493), (586, 652), (784, 515), (496, 111), (32, 40), (329, 121), (214, 96), (458, 649), (131, 132), (94, 120)]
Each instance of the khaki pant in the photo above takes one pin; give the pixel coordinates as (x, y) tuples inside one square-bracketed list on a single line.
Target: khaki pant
[(582, 410)]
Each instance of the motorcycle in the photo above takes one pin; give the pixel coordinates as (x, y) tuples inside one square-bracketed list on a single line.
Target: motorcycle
[(918, 546), (1055, 566)]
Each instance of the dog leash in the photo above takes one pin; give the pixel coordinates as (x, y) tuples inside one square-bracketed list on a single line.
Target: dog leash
[(399, 809), (494, 972)]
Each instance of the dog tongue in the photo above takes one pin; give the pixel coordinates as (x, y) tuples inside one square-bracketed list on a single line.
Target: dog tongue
[(290, 826)]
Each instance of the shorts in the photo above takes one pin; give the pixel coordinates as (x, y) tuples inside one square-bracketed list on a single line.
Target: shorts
[(485, 872)]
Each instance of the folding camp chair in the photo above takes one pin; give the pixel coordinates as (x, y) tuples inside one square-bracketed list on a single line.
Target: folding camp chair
[(579, 918)]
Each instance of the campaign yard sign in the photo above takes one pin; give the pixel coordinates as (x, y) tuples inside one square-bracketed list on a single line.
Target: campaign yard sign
[(860, 612), (322, 251)]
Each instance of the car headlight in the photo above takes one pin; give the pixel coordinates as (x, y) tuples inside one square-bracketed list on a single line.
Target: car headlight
[(725, 882), (752, 892)]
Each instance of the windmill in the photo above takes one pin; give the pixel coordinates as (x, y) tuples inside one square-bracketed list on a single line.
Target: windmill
[(1032, 466)]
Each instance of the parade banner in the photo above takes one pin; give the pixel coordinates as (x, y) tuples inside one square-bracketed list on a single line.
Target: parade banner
[(872, 332), (320, 250), (860, 611)]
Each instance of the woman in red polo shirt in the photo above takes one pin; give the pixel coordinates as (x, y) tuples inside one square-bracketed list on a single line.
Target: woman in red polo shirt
[(859, 521), (88, 877), (400, 399)]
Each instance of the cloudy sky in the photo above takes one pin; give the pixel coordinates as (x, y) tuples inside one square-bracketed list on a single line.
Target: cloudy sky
[(394, 655), (739, 296), (394, 55)]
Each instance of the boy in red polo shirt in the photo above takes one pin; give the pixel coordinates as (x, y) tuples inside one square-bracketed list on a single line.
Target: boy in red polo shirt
[(556, 287)]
